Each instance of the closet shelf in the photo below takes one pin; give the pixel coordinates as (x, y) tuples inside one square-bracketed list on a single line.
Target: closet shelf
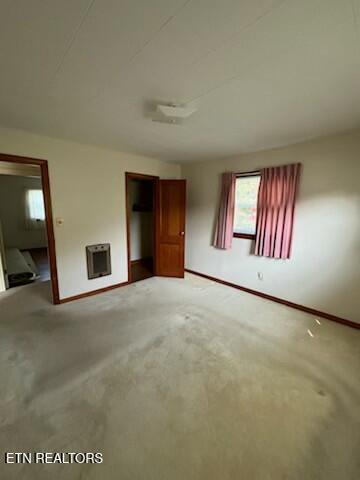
[(141, 208)]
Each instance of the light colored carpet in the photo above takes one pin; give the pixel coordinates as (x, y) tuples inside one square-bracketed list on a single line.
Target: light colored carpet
[(177, 380)]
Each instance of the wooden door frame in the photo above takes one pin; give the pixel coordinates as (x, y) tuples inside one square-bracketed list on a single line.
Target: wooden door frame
[(43, 164), (140, 176)]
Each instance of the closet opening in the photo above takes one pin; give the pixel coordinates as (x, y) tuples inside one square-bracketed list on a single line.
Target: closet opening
[(141, 225)]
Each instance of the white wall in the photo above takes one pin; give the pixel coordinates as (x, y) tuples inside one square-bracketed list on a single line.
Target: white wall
[(12, 213), (88, 192), (323, 272)]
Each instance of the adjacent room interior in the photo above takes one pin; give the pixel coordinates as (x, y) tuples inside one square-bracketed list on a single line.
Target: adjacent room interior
[(180, 240), (23, 240)]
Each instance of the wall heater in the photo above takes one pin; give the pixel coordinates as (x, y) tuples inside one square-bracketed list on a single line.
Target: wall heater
[(98, 260)]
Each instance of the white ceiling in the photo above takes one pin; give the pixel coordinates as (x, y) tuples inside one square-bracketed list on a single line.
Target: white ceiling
[(263, 73)]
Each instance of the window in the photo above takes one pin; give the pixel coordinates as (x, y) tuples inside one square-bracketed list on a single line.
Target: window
[(35, 203), (246, 192), (34, 209)]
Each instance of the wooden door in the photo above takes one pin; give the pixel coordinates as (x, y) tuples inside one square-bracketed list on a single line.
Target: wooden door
[(170, 240)]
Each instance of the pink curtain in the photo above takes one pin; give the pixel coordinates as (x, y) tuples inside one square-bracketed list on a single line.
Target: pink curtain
[(225, 219), (275, 210)]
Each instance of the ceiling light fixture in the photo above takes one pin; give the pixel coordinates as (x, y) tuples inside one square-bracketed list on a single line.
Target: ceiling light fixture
[(172, 113)]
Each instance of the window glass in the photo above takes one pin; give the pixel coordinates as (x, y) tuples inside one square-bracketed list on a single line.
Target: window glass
[(245, 204), (35, 205)]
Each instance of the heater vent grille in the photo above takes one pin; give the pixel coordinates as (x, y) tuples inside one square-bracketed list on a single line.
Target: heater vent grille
[(98, 260)]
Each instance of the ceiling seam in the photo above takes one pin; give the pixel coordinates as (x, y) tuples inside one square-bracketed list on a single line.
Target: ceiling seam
[(230, 79), (231, 39), (147, 43), (172, 17), (167, 21), (73, 38), (356, 15), (227, 42), (356, 19)]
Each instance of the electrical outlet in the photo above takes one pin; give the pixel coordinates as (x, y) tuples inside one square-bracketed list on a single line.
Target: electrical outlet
[(260, 275)]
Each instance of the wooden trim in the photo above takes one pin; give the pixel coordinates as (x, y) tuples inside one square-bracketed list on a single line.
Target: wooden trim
[(48, 215), (156, 266), (93, 292), (4, 157), (50, 231), (127, 205), (248, 236), (140, 176), (312, 311)]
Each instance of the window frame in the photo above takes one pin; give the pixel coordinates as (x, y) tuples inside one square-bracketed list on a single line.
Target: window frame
[(248, 236)]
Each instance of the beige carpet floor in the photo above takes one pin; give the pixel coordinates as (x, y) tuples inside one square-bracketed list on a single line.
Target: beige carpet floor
[(177, 380)]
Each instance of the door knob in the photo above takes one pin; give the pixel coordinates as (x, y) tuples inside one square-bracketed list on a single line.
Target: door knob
[(182, 234)]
